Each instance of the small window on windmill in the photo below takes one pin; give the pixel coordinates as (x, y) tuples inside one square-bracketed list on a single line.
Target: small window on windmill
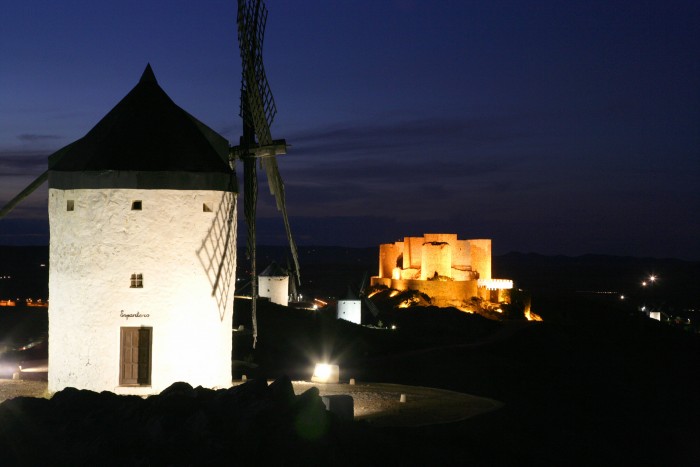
[(136, 205), (207, 207), (137, 281), (70, 205)]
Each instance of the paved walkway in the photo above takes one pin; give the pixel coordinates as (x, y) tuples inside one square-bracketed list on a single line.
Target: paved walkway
[(379, 403)]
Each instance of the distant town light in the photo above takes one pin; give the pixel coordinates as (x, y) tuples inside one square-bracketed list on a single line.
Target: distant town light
[(644, 283), (622, 297), (652, 278)]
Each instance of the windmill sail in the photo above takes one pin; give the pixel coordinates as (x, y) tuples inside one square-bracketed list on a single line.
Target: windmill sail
[(258, 110), (23, 194), (257, 103)]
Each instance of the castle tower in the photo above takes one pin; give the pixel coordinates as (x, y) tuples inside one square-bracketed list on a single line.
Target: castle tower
[(480, 252), (142, 214)]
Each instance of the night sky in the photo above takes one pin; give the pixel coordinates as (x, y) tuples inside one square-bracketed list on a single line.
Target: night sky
[(562, 127)]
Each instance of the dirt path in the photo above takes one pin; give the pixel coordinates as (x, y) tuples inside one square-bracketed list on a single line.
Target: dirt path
[(379, 403), (10, 388)]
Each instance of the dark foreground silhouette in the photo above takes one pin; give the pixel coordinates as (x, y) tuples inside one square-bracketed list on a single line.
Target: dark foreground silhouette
[(249, 424)]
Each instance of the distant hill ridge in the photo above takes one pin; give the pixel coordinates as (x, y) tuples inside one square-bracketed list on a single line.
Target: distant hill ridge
[(343, 265)]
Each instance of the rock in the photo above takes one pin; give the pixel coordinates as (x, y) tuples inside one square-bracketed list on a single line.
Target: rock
[(180, 388), (282, 391), (341, 405), (311, 419)]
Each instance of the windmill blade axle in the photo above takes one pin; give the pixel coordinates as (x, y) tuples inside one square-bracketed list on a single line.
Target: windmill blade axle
[(278, 147)]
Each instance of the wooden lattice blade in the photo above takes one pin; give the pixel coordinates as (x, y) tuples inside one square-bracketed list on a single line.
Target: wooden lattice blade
[(23, 194)]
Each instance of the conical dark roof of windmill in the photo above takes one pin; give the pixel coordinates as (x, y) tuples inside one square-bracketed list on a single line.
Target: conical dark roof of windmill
[(274, 270), (352, 295), (146, 132)]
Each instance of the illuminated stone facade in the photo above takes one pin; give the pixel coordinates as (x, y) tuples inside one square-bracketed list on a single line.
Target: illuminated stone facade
[(450, 271), (142, 215)]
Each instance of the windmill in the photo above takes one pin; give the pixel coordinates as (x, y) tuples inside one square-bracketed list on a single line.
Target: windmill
[(257, 109), (141, 210), (351, 308)]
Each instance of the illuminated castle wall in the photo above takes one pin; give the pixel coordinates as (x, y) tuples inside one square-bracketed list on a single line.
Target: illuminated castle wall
[(449, 270), (142, 214)]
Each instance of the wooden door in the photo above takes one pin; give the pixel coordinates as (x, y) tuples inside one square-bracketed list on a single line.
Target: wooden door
[(135, 357)]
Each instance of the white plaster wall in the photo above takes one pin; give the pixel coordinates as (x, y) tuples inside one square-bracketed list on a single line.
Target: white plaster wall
[(276, 288), (350, 310), (187, 258)]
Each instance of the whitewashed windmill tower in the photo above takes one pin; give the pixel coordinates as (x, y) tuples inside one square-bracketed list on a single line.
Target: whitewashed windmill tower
[(350, 308), (273, 283), (142, 251)]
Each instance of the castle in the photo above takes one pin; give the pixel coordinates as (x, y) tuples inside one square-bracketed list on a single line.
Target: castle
[(450, 271)]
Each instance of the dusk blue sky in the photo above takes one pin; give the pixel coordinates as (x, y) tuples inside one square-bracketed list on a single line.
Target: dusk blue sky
[(556, 127)]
